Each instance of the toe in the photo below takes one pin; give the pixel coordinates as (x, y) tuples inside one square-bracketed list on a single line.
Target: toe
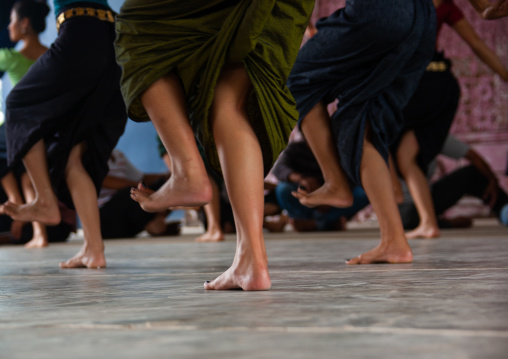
[(356, 260)]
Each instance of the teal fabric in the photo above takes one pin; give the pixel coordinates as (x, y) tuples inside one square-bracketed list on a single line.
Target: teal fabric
[(60, 4), (196, 39)]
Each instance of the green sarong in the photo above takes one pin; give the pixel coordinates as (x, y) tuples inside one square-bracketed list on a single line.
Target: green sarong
[(196, 39)]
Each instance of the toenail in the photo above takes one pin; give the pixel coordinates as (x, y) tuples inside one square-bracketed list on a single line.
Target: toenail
[(206, 282)]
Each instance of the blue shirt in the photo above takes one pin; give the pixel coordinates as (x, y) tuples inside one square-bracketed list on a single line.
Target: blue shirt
[(60, 4)]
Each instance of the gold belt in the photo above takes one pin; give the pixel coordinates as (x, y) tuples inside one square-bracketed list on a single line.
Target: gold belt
[(104, 15), (437, 66)]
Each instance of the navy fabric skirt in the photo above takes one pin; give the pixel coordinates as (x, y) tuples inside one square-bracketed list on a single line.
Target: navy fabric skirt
[(431, 110), (70, 95), (370, 56)]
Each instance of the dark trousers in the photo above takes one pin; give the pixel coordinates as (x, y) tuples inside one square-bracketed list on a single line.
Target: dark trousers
[(448, 190)]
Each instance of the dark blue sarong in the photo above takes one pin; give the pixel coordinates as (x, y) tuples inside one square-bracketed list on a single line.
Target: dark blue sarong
[(370, 56)]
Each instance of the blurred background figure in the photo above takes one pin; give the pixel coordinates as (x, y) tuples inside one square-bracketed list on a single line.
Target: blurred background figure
[(296, 168), (120, 216)]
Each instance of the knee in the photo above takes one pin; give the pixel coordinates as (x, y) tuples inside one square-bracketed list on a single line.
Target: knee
[(230, 96), (406, 159)]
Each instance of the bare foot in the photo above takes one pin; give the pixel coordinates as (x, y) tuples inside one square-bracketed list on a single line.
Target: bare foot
[(325, 195), (46, 212), (86, 258), (37, 242), (385, 254), (174, 193), (247, 276), (423, 231), (211, 236)]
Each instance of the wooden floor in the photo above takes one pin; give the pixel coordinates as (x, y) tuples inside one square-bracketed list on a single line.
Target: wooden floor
[(452, 302)]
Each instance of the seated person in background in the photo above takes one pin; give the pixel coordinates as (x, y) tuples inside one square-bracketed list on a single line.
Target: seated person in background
[(297, 167), (120, 216), (476, 179), (217, 216)]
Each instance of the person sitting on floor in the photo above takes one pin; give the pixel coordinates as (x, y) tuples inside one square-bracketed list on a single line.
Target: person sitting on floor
[(297, 167), (476, 179), (120, 216)]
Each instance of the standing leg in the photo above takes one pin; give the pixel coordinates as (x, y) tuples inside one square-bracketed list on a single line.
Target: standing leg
[(242, 165), (44, 208), (188, 185), (335, 191), (214, 231), (11, 188), (377, 183), (418, 187), (40, 235), (84, 197)]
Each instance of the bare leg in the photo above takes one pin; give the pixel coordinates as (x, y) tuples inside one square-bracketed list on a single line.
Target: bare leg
[(84, 197), (214, 231), (335, 191), (242, 165), (397, 186), (40, 236), (44, 208), (188, 185), (418, 187), (375, 176), (11, 188)]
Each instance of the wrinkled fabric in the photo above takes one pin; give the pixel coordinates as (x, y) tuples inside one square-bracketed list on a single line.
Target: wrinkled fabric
[(370, 56), (69, 96), (196, 39)]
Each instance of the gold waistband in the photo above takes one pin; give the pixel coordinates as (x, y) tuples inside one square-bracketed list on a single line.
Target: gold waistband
[(437, 66), (104, 15)]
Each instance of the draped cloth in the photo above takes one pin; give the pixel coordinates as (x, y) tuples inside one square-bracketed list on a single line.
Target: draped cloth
[(71, 95), (196, 39), (430, 112), (370, 56)]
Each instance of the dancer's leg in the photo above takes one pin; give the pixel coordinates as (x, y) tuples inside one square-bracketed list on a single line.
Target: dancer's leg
[(242, 166), (335, 191), (40, 235), (84, 198), (11, 188), (214, 231), (376, 181), (418, 187), (397, 185), (188, 185), (44, 208)]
